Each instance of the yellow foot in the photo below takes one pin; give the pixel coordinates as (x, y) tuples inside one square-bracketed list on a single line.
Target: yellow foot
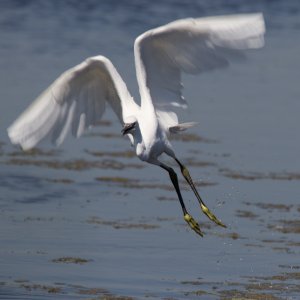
[(193, 224), (211, 216)]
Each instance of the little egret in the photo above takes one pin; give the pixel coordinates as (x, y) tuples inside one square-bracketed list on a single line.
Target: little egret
[(76, 100)]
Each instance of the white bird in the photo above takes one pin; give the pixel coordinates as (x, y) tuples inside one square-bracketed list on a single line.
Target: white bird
[(76, 99)]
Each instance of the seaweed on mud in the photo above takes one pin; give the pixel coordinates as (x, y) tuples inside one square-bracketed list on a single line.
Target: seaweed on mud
[(191, 137), (34, 153), (71, 260), (93, 291), (230, 235), (46, 288), (38, 219), (99, 293), (259, 175), (164, 198), (253, 245), (256, 288), (286, 226), (196, 163), (273, 241), (1, 148), (119, 154), (118, 224), (60, 180), (74, 165), (282, 249), (197, 293), (133, 183), (21, 280), (271, 206), (240, 291), (279, 282), (234, 235), (246, 214), (63, 289), (137, 184), (103, 294), (245, 295)]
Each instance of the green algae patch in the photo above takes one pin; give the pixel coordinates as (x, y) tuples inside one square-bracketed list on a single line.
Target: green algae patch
[(122, 224), (133, 183), (198, 163), (137, 184), (73, 165), (164, 198), (246, 214), (64, 289), (119, 154), (191, 137), (102, 294), (121, 180), (281, 207), (242, 175), (60, 180), (71, 260), (287, 226), (244, 295), (40, 287), (34, 153), (234, 236)]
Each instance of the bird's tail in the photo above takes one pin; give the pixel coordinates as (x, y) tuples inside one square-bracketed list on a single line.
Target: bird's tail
[(182, 127)]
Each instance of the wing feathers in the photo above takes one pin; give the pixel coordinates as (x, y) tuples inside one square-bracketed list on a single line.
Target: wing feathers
[(191, 46), (77, 99), (74, 101)]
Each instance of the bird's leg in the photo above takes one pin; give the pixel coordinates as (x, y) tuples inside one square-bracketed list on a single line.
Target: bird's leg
[(206, 211), (188, 218)]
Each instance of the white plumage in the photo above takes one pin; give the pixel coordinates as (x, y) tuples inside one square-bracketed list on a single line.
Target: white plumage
[(77, 99), (74, 101)]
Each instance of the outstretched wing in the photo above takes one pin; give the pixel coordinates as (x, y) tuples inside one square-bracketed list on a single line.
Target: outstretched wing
[(191, 46), (74, 101)]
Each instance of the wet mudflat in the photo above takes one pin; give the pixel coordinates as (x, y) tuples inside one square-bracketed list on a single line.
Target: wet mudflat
[(90, 221), (73, 234)]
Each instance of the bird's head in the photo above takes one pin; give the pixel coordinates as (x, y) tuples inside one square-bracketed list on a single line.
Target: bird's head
[(128, 128), (129, 125)]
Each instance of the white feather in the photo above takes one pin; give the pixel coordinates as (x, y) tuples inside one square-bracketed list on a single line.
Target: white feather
[(75, 100), (190, 46)]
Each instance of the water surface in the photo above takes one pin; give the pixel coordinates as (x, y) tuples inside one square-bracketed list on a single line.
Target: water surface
[(89, 220)]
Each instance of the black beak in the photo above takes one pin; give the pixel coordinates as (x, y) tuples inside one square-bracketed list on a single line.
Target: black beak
[(128, 127)]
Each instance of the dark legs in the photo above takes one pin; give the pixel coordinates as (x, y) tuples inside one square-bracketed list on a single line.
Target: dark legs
[(173, 176), (188, 218), (204, 208)]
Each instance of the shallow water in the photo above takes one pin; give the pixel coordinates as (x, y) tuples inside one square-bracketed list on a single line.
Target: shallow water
[(89, 220)]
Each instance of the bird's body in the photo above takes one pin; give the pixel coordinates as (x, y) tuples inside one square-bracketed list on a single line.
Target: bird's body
[(77, 99), (151, 139)]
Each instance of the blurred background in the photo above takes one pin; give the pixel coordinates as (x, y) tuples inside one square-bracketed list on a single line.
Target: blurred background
[(89, 220)]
